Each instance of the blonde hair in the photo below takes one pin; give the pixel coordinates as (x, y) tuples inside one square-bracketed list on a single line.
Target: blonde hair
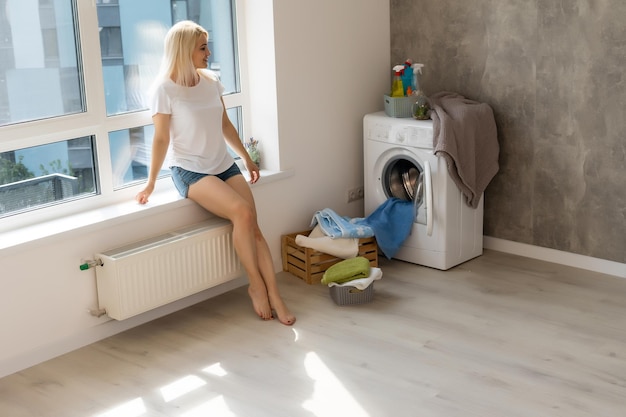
[(180, 42)]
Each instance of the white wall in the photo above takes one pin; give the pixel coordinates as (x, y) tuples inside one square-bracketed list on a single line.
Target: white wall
[(331, 61)]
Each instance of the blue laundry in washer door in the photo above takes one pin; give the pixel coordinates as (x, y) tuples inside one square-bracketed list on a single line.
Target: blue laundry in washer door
[(391, 223)]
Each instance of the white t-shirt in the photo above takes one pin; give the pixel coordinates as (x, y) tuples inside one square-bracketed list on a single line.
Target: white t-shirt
[(196, 138)]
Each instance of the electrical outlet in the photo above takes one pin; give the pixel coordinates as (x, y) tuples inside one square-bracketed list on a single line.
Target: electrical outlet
[(351, 195), (355, 194)]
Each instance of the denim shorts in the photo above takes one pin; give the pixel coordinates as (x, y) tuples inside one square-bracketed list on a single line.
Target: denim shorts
[(183, 179)]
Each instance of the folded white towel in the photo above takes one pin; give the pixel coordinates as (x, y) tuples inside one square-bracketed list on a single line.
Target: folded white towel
[(317, 232), (344, 248), (362, 283)]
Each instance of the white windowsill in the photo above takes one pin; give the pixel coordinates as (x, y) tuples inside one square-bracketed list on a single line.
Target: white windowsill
[(163, 199)]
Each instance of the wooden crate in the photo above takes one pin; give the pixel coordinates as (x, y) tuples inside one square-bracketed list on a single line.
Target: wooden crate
[(309, 265)]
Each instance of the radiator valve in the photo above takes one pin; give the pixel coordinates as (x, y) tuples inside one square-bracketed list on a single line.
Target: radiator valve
[(90, 264), (97, 312)]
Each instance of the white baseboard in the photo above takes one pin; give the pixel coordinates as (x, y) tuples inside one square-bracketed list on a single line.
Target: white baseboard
[(552, 255)]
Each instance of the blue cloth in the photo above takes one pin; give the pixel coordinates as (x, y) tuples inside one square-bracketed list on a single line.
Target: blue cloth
[(391, 222), (336, 226)]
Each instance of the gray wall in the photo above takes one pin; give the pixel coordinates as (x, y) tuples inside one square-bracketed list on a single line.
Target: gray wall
[(553, 72)]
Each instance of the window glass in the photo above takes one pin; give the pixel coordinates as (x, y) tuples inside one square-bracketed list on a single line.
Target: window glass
[(131, 43), (47, 174), (130, 155), (39, 72)]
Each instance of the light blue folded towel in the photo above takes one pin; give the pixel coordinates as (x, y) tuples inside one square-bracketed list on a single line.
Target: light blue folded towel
[(336, 226)]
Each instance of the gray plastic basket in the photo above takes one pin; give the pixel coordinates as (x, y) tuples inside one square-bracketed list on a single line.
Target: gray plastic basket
[(348, 295), (399, 106)]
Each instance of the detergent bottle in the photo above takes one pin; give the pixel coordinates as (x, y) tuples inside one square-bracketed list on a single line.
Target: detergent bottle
[(407, 77), (397, 89)]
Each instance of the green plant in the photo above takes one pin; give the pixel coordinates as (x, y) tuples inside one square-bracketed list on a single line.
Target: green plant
[(56, 168), (13, 171)]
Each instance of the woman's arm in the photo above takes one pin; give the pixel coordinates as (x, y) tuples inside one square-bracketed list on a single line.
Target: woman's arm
[(160, 143), (232, 139)]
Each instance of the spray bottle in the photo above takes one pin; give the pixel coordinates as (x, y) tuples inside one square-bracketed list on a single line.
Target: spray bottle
[(417, 72), (397, 89), (407, 77), (421, 106)]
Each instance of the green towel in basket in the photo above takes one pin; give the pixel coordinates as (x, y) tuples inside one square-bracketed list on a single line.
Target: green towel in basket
[(347, 270)]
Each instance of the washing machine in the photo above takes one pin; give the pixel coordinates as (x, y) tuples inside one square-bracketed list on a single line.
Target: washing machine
[(400, 162)]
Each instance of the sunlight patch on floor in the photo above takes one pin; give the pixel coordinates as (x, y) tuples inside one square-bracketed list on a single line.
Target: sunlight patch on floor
[(132, 408), (215, 369), (330, 398), (216, 407), (181, 387)]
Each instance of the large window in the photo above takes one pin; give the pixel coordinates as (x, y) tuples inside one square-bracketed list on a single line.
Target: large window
[(39, 65), (73, 82)]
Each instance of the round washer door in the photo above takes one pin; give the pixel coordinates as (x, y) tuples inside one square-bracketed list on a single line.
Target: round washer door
[(401, 175), (402, 178)]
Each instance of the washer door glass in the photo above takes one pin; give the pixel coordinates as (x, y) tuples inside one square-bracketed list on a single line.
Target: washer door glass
[(404, 179)]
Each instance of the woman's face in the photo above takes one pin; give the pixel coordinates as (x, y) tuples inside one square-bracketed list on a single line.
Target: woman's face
[(201, 53)]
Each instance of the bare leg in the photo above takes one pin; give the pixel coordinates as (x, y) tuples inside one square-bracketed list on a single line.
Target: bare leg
[(236, 203), (264, 258), (269, 277), (231, 206)]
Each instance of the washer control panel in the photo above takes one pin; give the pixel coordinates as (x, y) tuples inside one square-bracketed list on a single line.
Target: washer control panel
[(403, 132)]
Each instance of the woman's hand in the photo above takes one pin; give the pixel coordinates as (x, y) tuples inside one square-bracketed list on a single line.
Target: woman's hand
[(142, 196), (253, 170)]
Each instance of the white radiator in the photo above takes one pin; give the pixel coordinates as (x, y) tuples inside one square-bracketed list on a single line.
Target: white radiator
[(151, 273)]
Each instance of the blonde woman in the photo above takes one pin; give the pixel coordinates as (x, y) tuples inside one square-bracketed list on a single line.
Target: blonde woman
[(189, 114)]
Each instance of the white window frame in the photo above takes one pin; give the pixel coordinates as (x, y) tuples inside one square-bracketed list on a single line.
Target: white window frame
[(94, 121)]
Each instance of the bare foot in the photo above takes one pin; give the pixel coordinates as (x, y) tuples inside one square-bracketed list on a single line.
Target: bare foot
[(261, 303), (284, 315)]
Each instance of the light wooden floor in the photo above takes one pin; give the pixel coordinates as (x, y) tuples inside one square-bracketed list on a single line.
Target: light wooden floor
[(500, 336)]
